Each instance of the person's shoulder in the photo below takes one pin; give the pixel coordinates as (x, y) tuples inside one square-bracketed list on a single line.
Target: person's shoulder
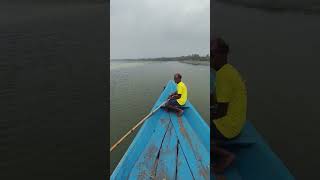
[(227, 72), (234, 73), (182, 84), (231, 69), (225, 69)]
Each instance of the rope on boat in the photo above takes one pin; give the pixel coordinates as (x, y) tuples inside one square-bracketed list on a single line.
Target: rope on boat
[(138, 124)]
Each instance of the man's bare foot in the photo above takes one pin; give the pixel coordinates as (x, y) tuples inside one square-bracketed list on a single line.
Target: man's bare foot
[(179, 114), (223, 164)]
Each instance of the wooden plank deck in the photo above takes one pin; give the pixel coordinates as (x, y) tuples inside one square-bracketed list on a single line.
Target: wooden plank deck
[(183, 169), (167, 163), (196, 154), (145, 167), (173, 152)]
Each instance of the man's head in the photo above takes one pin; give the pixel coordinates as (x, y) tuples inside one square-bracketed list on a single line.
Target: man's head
[(177, 78), (219, 50)]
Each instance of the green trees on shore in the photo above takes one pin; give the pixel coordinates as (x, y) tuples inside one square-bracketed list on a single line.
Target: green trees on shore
[(192, 57)]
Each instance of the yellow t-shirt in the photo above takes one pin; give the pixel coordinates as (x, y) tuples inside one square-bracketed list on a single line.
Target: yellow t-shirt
[(182, 89), (231, 89)]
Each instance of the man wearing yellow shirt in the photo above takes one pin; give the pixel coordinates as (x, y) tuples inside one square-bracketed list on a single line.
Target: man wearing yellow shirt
[(178, 98), (229, 103)]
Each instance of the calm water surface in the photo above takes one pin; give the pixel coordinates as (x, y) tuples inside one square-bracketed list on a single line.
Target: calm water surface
[(135, 87), (52, 89)]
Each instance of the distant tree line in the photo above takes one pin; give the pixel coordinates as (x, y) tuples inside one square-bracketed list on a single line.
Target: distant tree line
[(192, 57)]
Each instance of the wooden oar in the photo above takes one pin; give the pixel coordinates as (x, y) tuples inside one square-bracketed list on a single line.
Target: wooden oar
[(132, 129)]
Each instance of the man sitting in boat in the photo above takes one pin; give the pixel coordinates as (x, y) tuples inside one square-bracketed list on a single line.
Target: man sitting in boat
[(229, 104), (178, 98)]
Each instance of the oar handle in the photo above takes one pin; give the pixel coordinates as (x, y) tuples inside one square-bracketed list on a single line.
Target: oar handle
[(134, 127)]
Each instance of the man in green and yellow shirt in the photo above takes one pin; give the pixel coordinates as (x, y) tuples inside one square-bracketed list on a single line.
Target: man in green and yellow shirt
[(178, 98), (229, 105)]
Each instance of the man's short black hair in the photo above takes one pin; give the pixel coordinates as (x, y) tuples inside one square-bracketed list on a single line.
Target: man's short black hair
[(178, 75), (222, 46)]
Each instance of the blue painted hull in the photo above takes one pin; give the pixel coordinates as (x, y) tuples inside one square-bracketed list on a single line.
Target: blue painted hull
[(254, 159), (168, 147)]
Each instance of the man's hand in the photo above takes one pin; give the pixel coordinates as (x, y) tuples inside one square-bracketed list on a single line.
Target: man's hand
[(175, 96), (172, 95), (219, 110)]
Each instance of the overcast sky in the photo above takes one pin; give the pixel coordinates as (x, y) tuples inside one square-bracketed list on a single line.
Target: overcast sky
[(159, 28)]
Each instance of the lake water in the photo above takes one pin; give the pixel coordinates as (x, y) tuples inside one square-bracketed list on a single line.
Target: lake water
[(278, 55), (135, 87), (53, 113)]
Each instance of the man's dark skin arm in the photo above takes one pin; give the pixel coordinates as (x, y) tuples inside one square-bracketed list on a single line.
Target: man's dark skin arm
[(218, 110), (174, 95)]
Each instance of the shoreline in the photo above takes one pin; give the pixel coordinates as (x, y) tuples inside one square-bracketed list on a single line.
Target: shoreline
[(192, 62), (203, 63)]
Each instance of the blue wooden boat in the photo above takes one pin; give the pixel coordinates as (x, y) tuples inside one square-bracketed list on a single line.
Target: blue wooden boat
[(254, 158), (168, 147)]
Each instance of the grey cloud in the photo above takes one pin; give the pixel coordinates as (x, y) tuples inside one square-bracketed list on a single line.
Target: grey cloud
[(152, 28)]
